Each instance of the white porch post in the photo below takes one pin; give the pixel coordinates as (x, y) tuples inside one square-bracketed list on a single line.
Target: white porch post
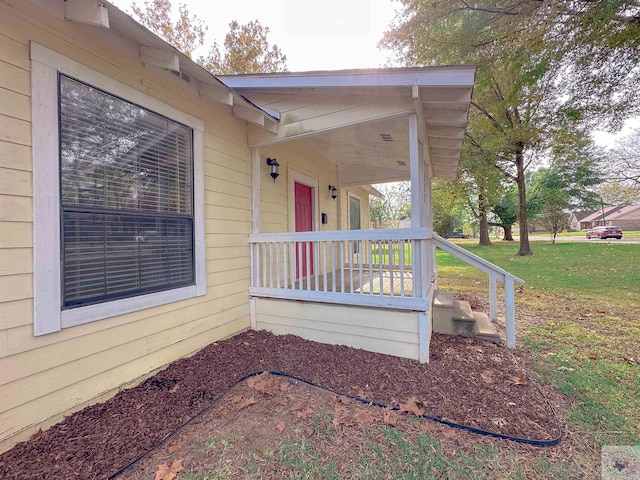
[(418, 216), (255, 207)]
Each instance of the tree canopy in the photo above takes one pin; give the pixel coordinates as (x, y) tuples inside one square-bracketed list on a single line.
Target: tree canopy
[(246, 48), (540, 67)]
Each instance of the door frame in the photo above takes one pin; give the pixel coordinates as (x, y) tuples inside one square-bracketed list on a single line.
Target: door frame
[(294, 177)]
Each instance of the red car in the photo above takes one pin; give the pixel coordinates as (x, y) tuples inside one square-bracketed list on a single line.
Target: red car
[(605, 232)]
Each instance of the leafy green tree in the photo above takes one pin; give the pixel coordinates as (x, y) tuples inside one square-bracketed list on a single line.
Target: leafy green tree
[(449, 206), (506, 213), (246, 47), (186, 33), (531, 55), (246, 50)]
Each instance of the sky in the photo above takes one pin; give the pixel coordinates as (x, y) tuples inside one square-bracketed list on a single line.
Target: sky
[(313, 34), (318, 34)]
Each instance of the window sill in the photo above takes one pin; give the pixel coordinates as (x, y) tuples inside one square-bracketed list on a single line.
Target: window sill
[(100, 311)]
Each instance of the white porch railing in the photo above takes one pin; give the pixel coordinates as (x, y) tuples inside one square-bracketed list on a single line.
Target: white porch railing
[(377, 268), (495, 273), (382, 268)]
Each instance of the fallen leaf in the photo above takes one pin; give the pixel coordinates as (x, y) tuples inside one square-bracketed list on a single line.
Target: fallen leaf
[(138, 406), (309, 431), (361, 394), (261, 383), (487, 376), (166, 472), (449, 433), (500, 422), (280, 427), (246, 343), (173, 448), (174, 389), (304, 413), (412, 407), (284, 386), (519, 379), (239, 402), (364, 417), (387, 419), (38, 434)]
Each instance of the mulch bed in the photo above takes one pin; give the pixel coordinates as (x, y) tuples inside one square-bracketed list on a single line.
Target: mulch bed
[(467, 381)]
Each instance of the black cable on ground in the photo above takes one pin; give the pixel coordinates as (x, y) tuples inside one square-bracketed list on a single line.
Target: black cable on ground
[(461, 426)]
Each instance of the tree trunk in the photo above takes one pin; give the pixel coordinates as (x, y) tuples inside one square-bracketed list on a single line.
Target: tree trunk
[(484, 224), (525, 248), (508, 233)]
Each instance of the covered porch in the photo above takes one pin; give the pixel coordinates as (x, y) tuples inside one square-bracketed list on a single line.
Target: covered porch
[(371, 289)]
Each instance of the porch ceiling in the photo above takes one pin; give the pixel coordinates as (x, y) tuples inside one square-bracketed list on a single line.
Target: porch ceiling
[(359, 119)]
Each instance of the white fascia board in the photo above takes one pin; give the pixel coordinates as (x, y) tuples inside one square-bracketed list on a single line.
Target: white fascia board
[(426, 76), (163, 58)]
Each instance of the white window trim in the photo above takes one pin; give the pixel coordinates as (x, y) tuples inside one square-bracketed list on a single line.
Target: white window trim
[(298, 177), (48, 313), (357, 197)]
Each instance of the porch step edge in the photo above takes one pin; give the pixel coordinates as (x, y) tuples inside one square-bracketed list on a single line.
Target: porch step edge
[(485, 329), (462, 311), (443, 299)]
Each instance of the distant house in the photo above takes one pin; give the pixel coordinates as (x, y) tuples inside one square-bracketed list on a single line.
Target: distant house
[(575, 219), (627, 218)]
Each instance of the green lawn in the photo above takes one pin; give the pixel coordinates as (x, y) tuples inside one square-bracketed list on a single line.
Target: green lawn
[(581, 309)]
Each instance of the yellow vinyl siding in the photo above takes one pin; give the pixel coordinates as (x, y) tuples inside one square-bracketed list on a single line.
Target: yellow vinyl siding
[(363, 195), (43, 378)]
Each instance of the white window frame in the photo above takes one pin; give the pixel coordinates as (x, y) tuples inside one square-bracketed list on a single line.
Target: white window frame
[(49, 315)]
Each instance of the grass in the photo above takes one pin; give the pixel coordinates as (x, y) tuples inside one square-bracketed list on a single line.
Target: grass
[(579, 316)]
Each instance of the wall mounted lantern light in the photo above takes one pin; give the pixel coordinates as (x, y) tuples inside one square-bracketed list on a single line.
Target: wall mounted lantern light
[(275, 166), (334, 191)]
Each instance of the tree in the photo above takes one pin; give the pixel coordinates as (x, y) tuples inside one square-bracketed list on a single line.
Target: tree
[(616, 193), (395, 206), (449, 208), (246, 47), (246, 50), (506, 213), (186, 34), (624, 162), (530, 60)]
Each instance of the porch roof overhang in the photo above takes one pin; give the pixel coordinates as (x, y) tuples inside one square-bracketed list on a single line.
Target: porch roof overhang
[(359, 118)]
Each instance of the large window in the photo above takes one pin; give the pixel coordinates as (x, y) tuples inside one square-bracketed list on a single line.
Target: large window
[(126, 202), (118, 197)]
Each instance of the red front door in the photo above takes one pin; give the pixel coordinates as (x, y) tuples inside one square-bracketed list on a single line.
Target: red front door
[(304, 223)]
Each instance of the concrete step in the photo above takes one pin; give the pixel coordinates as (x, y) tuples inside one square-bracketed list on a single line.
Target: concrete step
[(455, 317), (485, 328)]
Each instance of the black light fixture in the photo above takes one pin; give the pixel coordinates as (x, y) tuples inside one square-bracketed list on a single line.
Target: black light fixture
[(334, 191), (273, 163)]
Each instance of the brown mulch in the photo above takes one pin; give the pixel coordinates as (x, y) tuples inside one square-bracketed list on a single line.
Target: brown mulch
[(467, 381)]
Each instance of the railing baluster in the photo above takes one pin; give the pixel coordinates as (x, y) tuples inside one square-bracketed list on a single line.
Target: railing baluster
[(342, 266), (264, 265), (370, 255), (285, 267), (324, 265), (292, 252), (308, 264), (381, 278), (401, 262), (414, 271), (270, 262), (333, 267), (300, 261), (391, 258), (361, 252), (351, 254), (278, 265)]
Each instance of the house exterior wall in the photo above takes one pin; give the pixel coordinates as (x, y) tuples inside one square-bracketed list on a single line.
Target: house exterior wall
[(629, 220), (385, 331), (276, 202), (46, 377)]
